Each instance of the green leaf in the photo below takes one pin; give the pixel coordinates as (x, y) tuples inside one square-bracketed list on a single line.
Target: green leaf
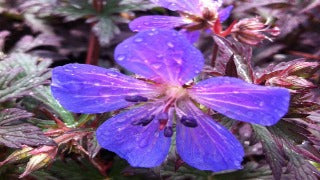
[(73, 10), (105, 30), (43, 94), (20, 73)]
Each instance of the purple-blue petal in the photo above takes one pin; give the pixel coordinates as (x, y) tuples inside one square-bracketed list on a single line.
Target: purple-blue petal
[(164, 56), (89, 89), (209, 146), (190, 6), (192, 36), (242, 101), (141, 146), (225, 13), (151, 22)]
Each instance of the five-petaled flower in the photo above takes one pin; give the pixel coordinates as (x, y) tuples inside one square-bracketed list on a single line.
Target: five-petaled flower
[(164, 101), (195, 15)]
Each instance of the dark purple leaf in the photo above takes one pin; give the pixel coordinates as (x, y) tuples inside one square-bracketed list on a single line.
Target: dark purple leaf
[(13, 114), (231, 69), (93, 146), (300, 168), (28, 43), (241, 56), (273, 150), (15, 136)]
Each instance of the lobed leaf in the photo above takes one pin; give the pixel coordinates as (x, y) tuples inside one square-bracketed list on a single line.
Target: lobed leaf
[(19, 73), (239, 53), (13, 114), (16, 136), (105, 30), (273, 152)]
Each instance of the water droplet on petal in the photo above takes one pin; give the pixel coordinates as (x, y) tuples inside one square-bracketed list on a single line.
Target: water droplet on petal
[(138, 40), (143, 143), (121, 57), (112, 75), (170, 44), (261, 104), (156, 65)]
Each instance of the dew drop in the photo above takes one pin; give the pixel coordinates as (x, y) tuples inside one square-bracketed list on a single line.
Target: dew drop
[(121, 57), (156, 65), (143, 143), (261, 104), (170, 44), (112, 75), (138, 40), (173, 4)]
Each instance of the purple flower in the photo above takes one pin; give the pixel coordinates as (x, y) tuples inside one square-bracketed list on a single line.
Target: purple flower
[(163, 100), (194, 15)]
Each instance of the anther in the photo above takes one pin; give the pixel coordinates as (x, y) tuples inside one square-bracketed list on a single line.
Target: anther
[(189, 121), (168, 131), (136, 98), (162, 117), (143, 122)]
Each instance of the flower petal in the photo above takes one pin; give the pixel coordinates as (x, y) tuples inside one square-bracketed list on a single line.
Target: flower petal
[(192, 36), (141, 146), (165, 56), (90, 89), (191, 6), (209, 146), (151, 22), (225, 13), (242, 101)]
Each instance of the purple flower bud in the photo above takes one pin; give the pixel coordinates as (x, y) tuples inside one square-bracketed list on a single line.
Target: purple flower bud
[(253, 31)]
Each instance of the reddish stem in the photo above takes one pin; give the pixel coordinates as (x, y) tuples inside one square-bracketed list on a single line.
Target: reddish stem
[(305, 55), (93, 45)]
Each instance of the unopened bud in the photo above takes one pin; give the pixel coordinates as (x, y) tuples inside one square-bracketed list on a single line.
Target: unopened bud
[(303, 69), (41, 157), (252, 31), (290, 82), (18, 155)]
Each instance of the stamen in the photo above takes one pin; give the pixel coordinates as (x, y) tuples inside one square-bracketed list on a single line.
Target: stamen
[(163, 119), (189, 121), (143, 122), (162, 116), (168, 131), (136, 98)]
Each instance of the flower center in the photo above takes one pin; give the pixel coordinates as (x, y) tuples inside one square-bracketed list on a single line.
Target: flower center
[(175, 92)]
